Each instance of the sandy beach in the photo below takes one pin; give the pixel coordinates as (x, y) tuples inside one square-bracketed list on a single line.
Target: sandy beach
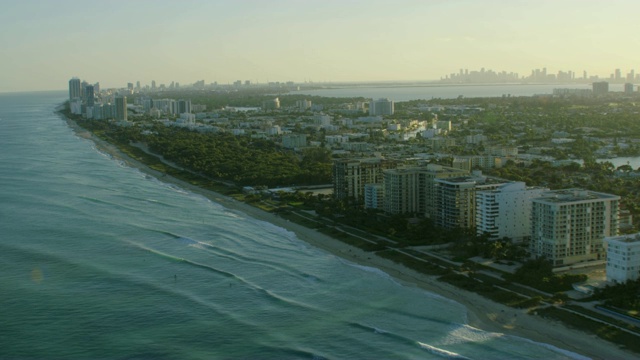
[(482, 313)]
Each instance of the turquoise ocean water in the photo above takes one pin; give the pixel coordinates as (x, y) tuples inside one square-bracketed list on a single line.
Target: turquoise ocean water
[(99, 261)]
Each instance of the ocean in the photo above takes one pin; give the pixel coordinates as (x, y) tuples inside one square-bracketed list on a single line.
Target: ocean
[(100, 261)]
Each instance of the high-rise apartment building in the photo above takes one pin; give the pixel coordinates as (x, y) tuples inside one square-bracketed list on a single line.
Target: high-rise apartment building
[(184, 106), (381, 107), (411, 189), (351, 175), (373, 196), (121, 108), (89, 95), (83, 86), (303, 105), (75, 89), (456, 199), (623, 258), (569, 226), (506, 211)]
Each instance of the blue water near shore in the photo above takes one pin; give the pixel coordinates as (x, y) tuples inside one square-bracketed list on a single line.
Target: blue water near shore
[(99, 261)]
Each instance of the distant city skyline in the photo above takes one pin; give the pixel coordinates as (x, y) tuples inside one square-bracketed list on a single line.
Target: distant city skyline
[(47, 43)]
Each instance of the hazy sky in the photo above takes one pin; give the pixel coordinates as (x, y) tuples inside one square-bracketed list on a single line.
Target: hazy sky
[(45, 43)]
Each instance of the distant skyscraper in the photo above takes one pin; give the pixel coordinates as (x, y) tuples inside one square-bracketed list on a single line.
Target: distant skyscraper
[(153, 84), (83, 92), (121, 108), (89, 95), (74, 89)]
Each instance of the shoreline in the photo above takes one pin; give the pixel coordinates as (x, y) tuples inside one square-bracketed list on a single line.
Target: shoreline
[(482, 313)]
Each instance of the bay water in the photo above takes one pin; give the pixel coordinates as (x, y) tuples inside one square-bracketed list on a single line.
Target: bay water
[(100, 261), (399, 92)]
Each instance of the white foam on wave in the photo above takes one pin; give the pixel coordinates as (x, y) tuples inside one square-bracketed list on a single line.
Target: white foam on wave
[(465, 333), (379, 331), (442, 352)]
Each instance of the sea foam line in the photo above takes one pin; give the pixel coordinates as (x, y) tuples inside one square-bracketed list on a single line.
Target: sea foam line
[(442, 352)]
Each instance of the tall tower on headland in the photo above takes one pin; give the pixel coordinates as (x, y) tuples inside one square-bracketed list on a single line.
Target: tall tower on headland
[(74, 89)]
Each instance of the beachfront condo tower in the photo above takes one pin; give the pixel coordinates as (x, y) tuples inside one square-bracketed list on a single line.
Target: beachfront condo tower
[(411, 189), (506, 211), (351, 175), (75, 89), (623, 258), (569, 226), (456, 199)]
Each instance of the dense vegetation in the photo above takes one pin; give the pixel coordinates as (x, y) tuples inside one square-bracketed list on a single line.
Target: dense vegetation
[(621, 296), (239, 159), (250, 97), (538, 273), (243, 160)]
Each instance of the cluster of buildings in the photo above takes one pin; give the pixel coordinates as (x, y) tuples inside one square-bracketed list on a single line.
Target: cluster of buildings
[(377, 107), (484, 76), (567, 226), (87, 100)]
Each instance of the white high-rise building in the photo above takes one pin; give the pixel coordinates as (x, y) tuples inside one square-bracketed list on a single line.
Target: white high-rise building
[(569, 226), (506, 211), (623, 258), (381, 107)]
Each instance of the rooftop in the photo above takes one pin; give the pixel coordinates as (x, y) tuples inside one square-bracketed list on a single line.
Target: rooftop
[(574, 195)]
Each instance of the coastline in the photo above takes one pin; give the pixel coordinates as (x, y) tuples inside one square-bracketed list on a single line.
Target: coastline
[(481, 312)]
